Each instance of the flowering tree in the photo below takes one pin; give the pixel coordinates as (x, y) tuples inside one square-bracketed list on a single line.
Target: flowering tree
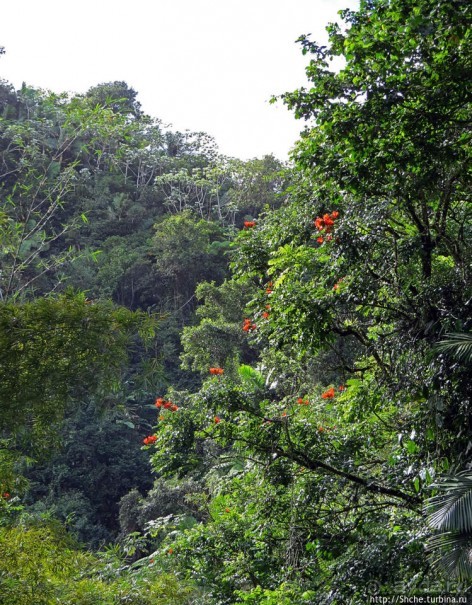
[(327, 457)]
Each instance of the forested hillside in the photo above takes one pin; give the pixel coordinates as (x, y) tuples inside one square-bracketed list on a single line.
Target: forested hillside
[(229, 381)]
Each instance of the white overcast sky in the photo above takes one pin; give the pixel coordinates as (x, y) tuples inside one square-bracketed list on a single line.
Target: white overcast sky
[(202, 65)]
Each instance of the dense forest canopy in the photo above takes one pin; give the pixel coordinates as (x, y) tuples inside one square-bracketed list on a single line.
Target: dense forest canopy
[(243, 382)]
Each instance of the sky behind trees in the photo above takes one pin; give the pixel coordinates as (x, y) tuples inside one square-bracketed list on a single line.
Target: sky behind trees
[(203, 65)]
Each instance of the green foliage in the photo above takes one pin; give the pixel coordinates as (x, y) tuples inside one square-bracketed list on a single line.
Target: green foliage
[(298, 471), (41, 564), (188, 250), (256, 185), (118, 96), (251, 377), (45, 156), (98, 462), (54, 352), (284, 502), (31, 559), (284, 595), (13, 483), (223, 189), (217, 339)]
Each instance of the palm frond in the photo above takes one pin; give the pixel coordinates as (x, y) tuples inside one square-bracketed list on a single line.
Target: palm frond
[(458, 344), (451, 510), (452, 554)]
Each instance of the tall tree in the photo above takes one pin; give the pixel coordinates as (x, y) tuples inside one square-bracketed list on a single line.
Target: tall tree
[(356, 279)]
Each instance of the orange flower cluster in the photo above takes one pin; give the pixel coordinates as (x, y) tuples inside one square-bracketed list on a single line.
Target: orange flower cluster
[(216, 419), (269, 288), (325, 223), (341, 387), (216, 371), (167, 405), (150, 439), (6, 496), (249, 224), (248, 326), (329, 394), (265, 315), (302, 401)]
